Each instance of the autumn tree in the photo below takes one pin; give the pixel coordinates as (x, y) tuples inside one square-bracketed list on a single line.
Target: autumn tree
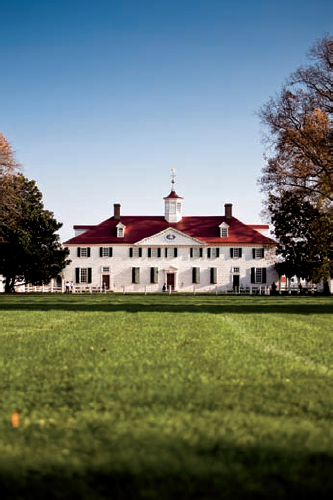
[(297, 176), (298, 122), (31, 251), (8, 168)]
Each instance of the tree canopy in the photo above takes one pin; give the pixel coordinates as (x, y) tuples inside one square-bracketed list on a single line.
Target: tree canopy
[(303, 233), (8, 167), (31, 251), (298, 122)]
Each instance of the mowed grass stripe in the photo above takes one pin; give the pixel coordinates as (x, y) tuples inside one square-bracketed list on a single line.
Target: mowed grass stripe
[(240, 327)]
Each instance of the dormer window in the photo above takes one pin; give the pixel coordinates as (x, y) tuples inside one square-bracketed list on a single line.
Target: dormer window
[(224, 228), (120, 230)]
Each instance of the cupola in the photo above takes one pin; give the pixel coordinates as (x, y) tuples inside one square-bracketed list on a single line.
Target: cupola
[(173, 202)]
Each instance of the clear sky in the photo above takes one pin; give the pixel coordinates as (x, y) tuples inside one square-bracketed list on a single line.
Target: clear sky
[(101, 99)]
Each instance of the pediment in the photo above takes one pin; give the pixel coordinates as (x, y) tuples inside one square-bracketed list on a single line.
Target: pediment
[(170, 236)]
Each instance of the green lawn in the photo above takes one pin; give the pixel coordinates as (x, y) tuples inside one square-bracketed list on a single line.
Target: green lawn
[(158, 396)]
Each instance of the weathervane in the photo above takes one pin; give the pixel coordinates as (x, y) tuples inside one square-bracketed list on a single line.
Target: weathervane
[(173, 176)]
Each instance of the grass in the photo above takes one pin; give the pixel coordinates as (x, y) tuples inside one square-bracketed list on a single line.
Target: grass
[(158, 396)]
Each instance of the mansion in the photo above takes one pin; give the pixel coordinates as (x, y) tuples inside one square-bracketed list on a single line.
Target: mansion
[(173, 252)]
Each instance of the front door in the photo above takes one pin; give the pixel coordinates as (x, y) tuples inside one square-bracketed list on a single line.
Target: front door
[(235, 282), (170, 281), (105, 282)]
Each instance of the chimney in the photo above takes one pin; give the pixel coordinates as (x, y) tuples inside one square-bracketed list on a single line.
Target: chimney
[(228, 210), (116, 211)]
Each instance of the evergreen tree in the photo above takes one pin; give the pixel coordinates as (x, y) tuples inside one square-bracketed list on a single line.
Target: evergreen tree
[(304, 237), (31, 251)]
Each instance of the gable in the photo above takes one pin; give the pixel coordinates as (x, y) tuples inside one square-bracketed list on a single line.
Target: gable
[(170, 236)]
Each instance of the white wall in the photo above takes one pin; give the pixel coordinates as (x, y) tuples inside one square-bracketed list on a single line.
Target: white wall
[(121, 268)]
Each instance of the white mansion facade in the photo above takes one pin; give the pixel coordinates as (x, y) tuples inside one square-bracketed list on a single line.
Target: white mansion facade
[(142, 254)]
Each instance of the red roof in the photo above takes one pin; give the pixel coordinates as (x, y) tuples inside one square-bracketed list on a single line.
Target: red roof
[(172, 194), (202, 228)]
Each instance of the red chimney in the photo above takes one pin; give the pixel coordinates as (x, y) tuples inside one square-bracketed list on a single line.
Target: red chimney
[(116, 211), (228, 210)]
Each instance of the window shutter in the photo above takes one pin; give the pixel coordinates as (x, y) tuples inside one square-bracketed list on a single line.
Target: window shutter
[(240, 252), (208, 253), (201, 252), (263, 274), (213, 275), (101, 251), (175, 252), (232, 253), (140, 252), (195, 274), (262, 253), (166, 252), (77, 275), (89, 274), (78, 251), (149, 252), (88, 252), (191, 252), (154, 275), (253, 253), (217, 253), (253, 276), (131, 252), (158, 252), (110, 251)]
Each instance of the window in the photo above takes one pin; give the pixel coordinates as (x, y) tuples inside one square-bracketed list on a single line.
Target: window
[(154, 252), (196, 253), (236, 270), (120, 230), (224, 230), (154, 275), (213, 253), (135, 252), (105, 251), (258, 275), (195, 274), (235, 253), (83, 251), (172, 207), (257, 253), (105, 269), (135, 275), (171, 252), (83, 275), (213, 275)]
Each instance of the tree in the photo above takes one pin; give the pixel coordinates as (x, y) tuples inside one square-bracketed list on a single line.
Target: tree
[(299, 127), (8, 167), (31, 251), (303, 232)]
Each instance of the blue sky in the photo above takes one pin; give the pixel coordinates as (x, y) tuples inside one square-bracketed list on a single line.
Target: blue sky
[(101, 99)]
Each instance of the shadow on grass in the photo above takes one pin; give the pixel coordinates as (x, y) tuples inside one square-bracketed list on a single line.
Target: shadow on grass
[(168, 304), (222, 472)]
